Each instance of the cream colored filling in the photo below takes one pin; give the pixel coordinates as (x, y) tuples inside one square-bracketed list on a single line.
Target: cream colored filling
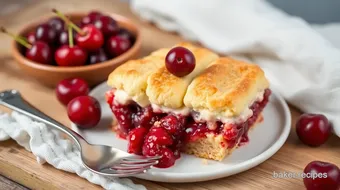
[(122, 97), (162, 109)]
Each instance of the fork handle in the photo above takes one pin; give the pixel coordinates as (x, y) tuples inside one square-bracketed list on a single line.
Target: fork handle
[(13, 100)]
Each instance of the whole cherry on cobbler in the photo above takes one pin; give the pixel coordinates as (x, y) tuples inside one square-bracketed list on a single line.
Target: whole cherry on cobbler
[(321, 176), (84, 111), (313, 129), (180, 61), (71, 88)]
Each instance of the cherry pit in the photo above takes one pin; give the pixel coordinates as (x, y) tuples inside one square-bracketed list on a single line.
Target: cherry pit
[(61, 42)]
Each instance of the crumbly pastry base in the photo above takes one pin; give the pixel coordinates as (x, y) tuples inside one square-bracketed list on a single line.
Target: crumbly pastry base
[(213, 147)]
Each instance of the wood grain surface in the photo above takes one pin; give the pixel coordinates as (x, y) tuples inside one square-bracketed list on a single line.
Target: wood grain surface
[(20, 165)]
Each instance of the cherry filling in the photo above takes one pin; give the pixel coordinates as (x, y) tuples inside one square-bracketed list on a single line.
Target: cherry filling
[(151, 133)]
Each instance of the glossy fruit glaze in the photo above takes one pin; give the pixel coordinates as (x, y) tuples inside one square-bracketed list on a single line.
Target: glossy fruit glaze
[(151, 133)]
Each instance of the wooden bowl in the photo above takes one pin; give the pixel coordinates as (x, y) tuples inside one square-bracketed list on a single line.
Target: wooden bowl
[(94, 74)]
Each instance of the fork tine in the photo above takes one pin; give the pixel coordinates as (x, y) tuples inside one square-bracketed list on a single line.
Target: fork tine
[(123, 166), (122, 173), (129, 169), (140, 159)]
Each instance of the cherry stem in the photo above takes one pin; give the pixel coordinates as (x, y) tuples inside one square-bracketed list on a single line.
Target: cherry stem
[(70, 36), (68, 22), (21, 40)]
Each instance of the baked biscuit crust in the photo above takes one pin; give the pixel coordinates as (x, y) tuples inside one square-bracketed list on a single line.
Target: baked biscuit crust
[(226, 88), (132, 76), (168, 90)]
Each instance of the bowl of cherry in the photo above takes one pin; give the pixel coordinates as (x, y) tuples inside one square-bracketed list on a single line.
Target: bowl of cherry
[(88, 45)]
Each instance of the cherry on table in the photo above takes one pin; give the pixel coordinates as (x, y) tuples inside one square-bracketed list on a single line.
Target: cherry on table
[(71, 88), (107, 25), (90, 18), (313, 129), (84, 111), (46, 33), (97, 57), (180, 61), (57, 24), (116, 46), (326, 176)]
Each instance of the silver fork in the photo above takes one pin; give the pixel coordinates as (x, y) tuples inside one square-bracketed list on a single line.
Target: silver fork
[(100, 159)]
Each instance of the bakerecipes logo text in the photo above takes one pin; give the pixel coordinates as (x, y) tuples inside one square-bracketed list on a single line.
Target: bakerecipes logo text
[(299, 175)]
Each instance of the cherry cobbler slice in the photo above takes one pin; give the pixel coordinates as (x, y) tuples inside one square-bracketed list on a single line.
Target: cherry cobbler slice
[(206, 110)]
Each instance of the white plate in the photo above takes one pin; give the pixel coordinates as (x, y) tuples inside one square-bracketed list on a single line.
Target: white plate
[(265, 140)]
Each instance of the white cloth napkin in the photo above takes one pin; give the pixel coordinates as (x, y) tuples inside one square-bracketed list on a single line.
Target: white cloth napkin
[(48, 146), (301, 63)]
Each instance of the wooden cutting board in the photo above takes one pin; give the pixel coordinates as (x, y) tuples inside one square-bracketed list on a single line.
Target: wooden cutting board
[(20, 165)]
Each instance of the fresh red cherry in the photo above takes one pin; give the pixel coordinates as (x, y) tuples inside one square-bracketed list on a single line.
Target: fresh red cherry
[(116, 46), (136, 139), (69, 89), (84, 111), (57, 24), (97, 57), (313, 129), (91, 40), (70, 56), (321, 176), (40, 52), (180, 61), (46, 33), (107, 25), (88, 38), (90, 18), (31, 38), (124, 33)]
